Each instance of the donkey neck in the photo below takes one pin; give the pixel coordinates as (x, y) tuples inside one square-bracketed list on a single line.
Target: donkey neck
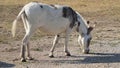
[(83, 25)]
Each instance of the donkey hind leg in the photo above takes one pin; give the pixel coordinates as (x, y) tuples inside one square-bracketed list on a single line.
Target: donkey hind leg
[(55, 41), (25, 21), (26, 44), (28, 52), (67, 53)]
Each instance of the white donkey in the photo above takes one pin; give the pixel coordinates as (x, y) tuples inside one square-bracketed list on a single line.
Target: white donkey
[(52, 20)]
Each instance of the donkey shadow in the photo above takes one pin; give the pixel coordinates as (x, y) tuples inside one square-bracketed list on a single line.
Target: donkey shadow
[(98, 58), (6, 65)]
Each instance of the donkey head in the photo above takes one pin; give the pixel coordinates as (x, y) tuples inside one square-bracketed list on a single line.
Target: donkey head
[(85, 35)]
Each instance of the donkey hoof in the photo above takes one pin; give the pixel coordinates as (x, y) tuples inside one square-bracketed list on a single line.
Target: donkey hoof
[(30, 58), (86, 51), (68, 54), (51, 56), (23, 60)]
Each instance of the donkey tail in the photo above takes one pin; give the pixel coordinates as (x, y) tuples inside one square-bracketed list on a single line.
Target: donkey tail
[(15, 22)]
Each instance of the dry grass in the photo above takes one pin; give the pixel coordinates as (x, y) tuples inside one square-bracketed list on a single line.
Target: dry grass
[(106, 36), (83, 5), (95, 10)]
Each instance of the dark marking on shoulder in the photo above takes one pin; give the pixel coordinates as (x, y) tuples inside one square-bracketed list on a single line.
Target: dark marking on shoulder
[(69, 13), (53, 6), (65, 10)]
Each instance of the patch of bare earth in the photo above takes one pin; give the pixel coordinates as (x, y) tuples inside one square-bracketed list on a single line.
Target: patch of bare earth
[(104, 48)]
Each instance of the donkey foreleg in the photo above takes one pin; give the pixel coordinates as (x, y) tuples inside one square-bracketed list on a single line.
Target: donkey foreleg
[(55, 41), (67, 53)]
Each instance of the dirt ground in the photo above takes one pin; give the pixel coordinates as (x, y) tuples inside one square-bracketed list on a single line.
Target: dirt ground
[(104, 48)]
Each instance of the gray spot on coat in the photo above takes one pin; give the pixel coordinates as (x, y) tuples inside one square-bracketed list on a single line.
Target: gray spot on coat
[(69, 13)]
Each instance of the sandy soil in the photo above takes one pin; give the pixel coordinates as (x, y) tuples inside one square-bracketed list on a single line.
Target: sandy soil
[(104, 49)]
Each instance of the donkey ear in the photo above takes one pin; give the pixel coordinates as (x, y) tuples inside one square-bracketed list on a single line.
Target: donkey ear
[(88, 22), (90, 29), (95, 23)]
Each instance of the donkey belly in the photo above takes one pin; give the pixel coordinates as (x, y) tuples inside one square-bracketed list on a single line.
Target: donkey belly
[(56, 26)]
